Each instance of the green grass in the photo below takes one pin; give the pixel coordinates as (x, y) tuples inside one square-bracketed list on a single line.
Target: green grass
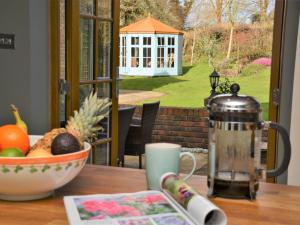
[(190, 89)]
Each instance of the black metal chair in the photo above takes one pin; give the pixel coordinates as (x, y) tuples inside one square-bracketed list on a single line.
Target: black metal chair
[(125, 117), (140, 131)]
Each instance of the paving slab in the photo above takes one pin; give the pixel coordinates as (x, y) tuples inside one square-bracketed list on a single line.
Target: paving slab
[(135, 96)]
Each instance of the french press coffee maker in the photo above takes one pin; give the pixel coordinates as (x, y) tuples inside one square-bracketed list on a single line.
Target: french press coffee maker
[(234, 151)]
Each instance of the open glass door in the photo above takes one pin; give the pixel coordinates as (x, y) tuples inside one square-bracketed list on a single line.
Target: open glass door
[(95, 64), (87, 62)]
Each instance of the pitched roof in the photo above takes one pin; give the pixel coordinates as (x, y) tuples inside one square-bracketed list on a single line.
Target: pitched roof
[(149, 25)]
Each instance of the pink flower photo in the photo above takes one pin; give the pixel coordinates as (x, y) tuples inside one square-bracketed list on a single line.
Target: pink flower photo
[(139, 204)]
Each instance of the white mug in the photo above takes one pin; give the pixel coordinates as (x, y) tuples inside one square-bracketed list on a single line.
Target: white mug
[(162, 158)]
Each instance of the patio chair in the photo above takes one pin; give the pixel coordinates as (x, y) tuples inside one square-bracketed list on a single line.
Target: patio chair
[(125, 117), (140, 131)]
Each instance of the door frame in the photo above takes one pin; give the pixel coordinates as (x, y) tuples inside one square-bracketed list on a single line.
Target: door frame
[(73, 65), (275, 82)]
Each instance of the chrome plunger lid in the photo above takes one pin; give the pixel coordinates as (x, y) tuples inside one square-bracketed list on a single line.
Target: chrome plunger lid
[(234, 102)]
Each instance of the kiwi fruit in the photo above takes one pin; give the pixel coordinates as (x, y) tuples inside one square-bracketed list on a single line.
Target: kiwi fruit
[(64, 143)]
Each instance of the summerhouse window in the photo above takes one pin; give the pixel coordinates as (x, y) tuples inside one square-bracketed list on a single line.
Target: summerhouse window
[(147, 41), (146, 57), (135, 41), (123, 52), (171, 52), (171, 41), (160, 52), (135, 57), (135, 52), (147, 52)]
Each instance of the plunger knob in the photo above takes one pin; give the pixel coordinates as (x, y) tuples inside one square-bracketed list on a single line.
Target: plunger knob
[(234, 88)]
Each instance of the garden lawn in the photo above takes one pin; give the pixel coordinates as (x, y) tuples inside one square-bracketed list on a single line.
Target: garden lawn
[(190, 89)]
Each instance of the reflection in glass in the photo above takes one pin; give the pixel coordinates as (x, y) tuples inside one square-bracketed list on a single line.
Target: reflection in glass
[(104, 49), (104, 8), (84, 91), (103, 90), (101, 154), (62, 61), (86, 49), (105, 132), (87, 7)]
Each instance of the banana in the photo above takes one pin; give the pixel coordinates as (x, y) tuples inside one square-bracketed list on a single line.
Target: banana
[(19, 122)]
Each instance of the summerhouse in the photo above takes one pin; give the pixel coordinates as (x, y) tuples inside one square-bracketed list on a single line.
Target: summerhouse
[(150, 48)]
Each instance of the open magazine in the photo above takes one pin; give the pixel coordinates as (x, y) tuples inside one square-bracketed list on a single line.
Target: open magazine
[(168, 207)]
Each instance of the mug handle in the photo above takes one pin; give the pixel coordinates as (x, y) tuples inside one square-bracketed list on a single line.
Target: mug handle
[(194, 164)]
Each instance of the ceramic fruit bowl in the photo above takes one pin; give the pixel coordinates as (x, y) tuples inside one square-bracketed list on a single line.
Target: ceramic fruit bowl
[(26, 178)]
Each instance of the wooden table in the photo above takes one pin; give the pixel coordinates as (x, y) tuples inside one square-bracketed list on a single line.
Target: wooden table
[(275, 204)]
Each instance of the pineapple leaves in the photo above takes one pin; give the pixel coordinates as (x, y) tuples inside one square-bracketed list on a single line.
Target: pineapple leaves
[(92, 111)]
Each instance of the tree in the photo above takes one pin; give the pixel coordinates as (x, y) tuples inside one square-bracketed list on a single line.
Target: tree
[(186, 7), (218, 7), (167, 11), (131, 10), (263, 7), (237, 11)]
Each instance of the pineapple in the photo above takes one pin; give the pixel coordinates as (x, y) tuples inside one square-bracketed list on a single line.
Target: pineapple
[(82, 125)]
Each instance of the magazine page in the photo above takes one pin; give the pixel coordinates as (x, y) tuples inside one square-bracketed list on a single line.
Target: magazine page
[(140, 208), (200, 209)]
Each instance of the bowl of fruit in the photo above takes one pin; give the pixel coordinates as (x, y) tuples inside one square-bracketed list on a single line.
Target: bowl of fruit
[(33, 166)]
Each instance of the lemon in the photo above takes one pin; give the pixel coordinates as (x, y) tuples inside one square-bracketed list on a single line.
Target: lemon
[(39, 153)]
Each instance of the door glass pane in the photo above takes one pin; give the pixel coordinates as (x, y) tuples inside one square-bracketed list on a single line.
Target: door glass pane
[(86, 49), (101, 154), (87, 7), (104, 49), (62, 62), (104, 133), (84, 91), (104, 8), (103, 90)]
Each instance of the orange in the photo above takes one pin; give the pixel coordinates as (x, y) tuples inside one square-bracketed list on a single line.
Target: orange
[(12, 136)]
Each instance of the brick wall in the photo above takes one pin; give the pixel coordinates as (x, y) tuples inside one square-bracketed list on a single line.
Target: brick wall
[(185, 126)]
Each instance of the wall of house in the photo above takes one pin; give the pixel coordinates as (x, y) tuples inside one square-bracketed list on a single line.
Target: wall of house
[(293, 174), (24, 70)]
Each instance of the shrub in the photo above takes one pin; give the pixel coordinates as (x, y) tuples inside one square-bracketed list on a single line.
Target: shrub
[(224, 87)]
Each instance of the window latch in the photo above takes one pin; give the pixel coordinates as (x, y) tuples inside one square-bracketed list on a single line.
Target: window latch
[(276, 96)]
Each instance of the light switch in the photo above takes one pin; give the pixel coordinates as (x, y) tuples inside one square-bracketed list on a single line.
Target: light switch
[(7, 41)]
